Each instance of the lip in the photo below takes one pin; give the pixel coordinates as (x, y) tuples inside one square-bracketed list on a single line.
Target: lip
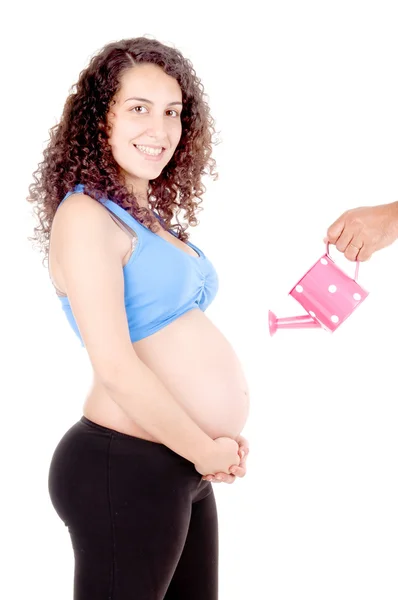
[(149, 156)]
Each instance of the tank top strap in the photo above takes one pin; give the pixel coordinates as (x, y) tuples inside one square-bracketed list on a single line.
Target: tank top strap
[(122, 214), (78, 189)]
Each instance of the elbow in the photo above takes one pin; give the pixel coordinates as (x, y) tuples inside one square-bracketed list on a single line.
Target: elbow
[(113, 374)]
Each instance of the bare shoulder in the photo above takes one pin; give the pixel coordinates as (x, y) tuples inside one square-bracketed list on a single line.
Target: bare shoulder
[(79, 216), (80, 205), (88, 259)]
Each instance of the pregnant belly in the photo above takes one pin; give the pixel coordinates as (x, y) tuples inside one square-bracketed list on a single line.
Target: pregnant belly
[(199, 368)]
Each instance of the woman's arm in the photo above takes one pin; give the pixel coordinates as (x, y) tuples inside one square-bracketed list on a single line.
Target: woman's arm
[(92, 273)]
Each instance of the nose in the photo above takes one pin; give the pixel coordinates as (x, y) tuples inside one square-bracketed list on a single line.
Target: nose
[(156, 127)]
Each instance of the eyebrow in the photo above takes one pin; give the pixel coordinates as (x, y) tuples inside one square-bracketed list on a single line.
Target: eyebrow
[(150, 102)]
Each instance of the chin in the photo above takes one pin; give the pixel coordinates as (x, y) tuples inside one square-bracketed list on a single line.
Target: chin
[(149, 173)]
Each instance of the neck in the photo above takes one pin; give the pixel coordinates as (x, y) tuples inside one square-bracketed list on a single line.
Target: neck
[(142, 201), (138, 187)]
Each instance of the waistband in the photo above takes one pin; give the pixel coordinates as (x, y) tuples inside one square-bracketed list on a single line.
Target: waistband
[(131, 443), (119, 434)]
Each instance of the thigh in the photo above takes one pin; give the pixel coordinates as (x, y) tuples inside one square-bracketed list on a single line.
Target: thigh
[(196, 575), (150, 531), (151, 494), (135, 552)]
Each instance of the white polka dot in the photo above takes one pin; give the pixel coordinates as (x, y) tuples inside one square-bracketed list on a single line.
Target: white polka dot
[(324, 261), (357, 296), (332, 289), (334, 318), (311, 313), (299, 288)]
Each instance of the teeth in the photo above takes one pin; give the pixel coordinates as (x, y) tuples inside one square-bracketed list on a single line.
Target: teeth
[(152, 151)]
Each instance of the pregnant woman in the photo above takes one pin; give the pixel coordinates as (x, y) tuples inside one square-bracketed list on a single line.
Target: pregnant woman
[(132, 478)]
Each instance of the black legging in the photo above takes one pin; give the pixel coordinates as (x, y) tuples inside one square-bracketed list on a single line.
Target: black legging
[(143, 523)]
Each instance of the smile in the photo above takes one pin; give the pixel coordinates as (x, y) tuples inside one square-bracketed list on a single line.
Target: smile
[(149, 150)]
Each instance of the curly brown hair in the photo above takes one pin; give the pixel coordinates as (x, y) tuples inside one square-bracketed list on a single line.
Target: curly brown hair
[(78, 150)]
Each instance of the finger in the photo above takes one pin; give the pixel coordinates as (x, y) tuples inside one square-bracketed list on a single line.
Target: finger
[(241, 453), (335, 230), (344, 239), (224, 478), (243, 446), (214, 477), (241, 465), (239, 471), (244, 451), (365, 253), (244, 456), (242, 441), (353, 249)]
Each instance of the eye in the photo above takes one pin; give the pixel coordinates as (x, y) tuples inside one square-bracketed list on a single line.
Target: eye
[(176, 114), (136, 109)]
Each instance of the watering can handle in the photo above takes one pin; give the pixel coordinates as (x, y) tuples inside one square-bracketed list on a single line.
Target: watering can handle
[(356, 262)]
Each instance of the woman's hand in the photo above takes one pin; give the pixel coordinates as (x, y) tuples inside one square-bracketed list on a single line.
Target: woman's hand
[(221, 455), (238, 470)]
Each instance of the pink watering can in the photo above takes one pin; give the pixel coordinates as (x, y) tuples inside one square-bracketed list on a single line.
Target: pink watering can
[(327, 294)]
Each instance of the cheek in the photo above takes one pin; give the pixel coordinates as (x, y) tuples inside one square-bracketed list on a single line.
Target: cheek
[(124, 130), (176, 135)]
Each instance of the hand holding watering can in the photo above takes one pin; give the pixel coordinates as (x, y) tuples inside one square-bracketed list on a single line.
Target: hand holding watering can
[(328, 295), (359, 232)]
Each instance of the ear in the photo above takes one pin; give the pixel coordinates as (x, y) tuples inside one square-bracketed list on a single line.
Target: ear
[(110, 117)]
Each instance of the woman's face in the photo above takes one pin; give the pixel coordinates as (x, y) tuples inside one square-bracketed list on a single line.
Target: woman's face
[(145, 124)]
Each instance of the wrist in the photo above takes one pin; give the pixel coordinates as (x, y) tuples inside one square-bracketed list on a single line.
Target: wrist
[(394, 217), (394, 207), (204, 450)]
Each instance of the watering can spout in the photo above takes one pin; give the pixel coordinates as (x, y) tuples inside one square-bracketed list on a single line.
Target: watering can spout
[(299, 322)]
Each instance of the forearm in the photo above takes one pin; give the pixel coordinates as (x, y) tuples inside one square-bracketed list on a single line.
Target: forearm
[(393, 209), (144, 398)]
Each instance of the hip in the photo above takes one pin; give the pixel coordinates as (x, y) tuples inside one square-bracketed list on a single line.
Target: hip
[(93, 463)]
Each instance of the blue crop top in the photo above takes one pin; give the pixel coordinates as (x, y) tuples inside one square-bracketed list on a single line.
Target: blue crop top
[(161, 281)]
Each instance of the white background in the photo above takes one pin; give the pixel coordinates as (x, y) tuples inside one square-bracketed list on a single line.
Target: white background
[(305, 96)]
